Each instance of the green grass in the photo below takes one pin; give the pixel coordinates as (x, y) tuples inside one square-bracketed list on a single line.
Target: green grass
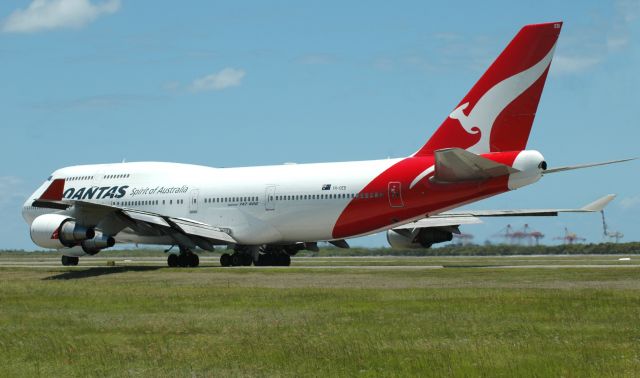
[(150, 321)]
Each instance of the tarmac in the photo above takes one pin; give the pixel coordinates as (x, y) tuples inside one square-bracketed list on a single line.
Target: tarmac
[(360, 263)]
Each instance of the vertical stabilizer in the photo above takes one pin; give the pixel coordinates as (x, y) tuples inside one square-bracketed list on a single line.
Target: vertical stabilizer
[(497, 113)]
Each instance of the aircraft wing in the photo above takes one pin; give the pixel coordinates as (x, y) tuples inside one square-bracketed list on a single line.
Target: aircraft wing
[(457, 218), (183, 230)]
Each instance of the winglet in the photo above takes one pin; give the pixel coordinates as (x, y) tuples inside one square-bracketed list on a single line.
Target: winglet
[(600, 203), (54, 191)]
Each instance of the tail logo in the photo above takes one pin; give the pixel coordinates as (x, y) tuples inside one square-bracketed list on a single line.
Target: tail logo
[(482, 116)]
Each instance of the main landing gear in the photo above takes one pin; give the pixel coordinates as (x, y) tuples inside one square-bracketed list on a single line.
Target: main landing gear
[(185, 258), (70, 260), (236, 259), (258, 256)]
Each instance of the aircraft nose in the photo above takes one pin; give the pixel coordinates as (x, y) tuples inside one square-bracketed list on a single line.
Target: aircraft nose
[(27, 211)]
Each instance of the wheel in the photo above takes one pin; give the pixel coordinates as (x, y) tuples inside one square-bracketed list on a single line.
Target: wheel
[(69, 260), (284, 260), (194, 260), (269, 259), (183, 260), (236, 259), (246, 260), (172, 260), (225, 259)]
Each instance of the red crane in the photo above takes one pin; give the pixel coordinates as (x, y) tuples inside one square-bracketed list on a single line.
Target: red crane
[(569, 237)]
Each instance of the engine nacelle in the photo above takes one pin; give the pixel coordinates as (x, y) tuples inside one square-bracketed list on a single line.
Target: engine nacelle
[(58, 231), (97, 243), (421, 238)]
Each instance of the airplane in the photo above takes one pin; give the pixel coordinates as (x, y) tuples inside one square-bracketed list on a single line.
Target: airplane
[(266, 214)]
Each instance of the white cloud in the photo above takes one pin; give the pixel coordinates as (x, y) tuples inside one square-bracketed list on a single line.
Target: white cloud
[(588, 47), (55, 14), (628, 203), (226, 78), (563, 64)]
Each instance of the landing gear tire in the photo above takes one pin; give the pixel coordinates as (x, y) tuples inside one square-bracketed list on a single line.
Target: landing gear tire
[(270, 259), (246, 260), (69, 260), (284, 260), (183, 260), (194, 260), (262, 260), (172, 260), (225, 259), (236, 259)]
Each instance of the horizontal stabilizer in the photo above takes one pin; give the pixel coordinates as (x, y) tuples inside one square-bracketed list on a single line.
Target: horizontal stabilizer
[(457, 165), (592, 207), (580, 166)]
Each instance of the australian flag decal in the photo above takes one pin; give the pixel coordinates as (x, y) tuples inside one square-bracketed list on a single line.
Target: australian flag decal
[(326, 187)]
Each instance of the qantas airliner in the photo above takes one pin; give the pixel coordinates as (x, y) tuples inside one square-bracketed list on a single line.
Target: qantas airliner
[(266, 214)]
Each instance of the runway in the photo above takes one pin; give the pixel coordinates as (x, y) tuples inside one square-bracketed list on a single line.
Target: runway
[(355, 263)]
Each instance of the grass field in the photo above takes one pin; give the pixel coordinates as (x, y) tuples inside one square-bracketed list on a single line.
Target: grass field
[(472, 318)]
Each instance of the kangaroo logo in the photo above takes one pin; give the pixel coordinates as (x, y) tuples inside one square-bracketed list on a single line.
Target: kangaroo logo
[(494, 101)]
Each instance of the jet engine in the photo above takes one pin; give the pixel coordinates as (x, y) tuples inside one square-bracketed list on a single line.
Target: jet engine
[(57, 231), (98, 242), (419, 238)]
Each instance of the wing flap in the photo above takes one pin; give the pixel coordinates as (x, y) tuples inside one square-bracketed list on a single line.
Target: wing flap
[(147, 217), (202, 230)]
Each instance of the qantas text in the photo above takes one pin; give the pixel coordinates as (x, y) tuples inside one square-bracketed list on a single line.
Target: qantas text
[(96, 192)]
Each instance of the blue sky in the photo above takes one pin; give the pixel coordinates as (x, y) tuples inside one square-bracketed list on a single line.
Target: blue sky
[(252, 83)]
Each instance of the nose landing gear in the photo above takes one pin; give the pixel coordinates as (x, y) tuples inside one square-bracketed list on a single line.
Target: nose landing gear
[(69, 260)]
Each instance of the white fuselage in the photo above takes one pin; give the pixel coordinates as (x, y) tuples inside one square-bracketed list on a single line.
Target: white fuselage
[(262, 205)]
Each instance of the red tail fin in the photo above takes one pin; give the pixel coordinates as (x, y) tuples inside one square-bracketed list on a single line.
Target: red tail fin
[(497, 113)]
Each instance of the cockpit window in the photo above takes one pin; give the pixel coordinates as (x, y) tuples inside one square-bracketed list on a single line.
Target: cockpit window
[(50, 177)]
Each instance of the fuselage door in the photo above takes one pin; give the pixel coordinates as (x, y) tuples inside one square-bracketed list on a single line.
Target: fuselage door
[(395, 194), (270, 198), (193, 201)]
